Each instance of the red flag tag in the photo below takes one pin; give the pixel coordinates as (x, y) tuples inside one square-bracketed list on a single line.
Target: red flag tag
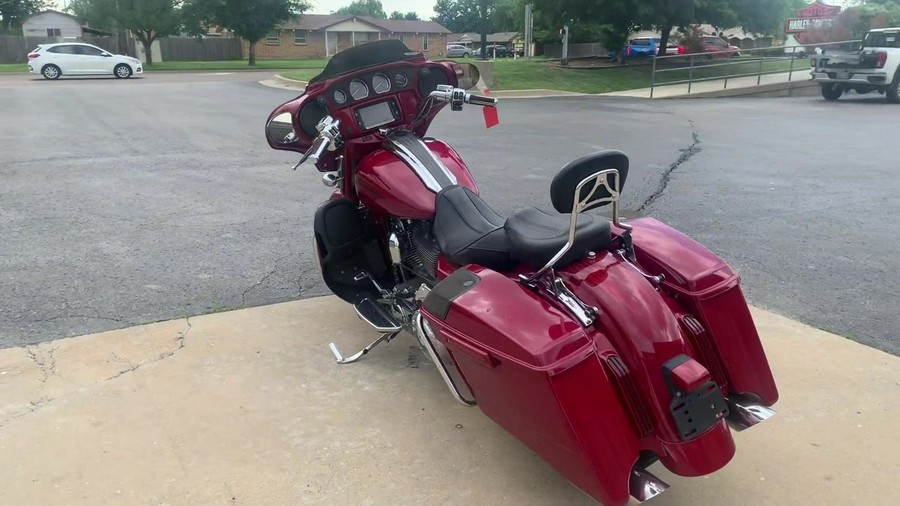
[(491, 115)]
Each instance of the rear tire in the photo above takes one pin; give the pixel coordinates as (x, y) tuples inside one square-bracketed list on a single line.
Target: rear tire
[(122, 71), (51, 72), (892, 93), (465, 55), (832, 92)]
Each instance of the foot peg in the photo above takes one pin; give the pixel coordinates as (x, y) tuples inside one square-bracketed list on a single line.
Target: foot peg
[(375, 315), (643, 486), (372, 313), (744, 413)]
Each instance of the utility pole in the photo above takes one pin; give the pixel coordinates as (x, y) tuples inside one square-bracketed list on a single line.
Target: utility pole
[(565, 41), (484, 23), (529, 27)]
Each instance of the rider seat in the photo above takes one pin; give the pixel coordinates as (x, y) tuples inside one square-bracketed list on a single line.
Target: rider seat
[(468, 230)]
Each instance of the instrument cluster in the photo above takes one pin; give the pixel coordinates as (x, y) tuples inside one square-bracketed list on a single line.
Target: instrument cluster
[(372, 85)]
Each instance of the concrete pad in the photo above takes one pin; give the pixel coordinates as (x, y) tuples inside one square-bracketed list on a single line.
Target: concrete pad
[(248, 407)]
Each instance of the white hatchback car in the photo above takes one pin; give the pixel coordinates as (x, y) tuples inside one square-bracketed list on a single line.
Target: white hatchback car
[(79, 59)]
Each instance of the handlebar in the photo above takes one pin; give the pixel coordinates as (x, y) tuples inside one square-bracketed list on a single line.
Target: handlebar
[(458, 96), (329, 134), (318, 148), (481, 100)]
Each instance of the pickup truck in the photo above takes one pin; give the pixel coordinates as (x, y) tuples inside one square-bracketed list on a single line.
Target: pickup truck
[(873, 68)]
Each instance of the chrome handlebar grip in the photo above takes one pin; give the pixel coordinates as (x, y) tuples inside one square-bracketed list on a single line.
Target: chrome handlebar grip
[(329, 135), (481, 100)]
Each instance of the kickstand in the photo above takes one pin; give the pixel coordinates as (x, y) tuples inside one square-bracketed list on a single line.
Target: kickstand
[(386, 337)]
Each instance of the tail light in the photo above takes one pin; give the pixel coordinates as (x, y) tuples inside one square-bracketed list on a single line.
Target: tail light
[(628, 50), (680, 49), (882, 59), (32, 56)]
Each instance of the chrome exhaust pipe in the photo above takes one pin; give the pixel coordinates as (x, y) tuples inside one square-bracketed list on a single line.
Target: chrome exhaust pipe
[(643, 486), (744, 414)]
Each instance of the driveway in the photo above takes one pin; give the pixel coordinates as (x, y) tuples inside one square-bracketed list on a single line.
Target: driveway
[(126, 202)]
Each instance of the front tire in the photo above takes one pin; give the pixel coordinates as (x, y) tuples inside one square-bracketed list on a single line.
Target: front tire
[(832, 92), (51, 72), (122, 71), (465, 55), (892, 93)]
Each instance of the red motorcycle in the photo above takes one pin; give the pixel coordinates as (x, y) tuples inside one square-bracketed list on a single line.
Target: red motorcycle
[(603, 345)]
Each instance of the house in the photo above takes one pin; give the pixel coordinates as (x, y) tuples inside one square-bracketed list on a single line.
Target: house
[(52, 23), (323, 35)]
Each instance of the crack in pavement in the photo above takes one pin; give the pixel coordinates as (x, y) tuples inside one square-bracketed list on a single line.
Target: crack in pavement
[(686, 155), (304, 274), (43, 357), (179, 345), (264, 278)]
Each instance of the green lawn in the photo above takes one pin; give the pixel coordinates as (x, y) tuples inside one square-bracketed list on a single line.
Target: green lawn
[(525, 75), (301, 75), (236, 65), (518, 74)]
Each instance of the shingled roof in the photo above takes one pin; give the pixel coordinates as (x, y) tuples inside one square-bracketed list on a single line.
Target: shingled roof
[(315, 22)]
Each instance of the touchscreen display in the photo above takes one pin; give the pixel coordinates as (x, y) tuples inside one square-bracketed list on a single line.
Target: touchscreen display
[(375, 115)]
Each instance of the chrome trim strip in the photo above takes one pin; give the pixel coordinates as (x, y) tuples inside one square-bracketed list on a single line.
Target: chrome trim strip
[(415, 154)]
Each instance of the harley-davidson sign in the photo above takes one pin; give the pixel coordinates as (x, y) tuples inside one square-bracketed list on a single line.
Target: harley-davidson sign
[(815, 15)]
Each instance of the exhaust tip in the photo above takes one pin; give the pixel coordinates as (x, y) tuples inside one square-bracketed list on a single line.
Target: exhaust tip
[(644, 486), (744, 414)]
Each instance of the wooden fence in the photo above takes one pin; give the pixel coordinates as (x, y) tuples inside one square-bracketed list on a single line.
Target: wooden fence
[(15, 48), (190, 49)]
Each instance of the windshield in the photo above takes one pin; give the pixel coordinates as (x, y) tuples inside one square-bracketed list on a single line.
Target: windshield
[(366, 55)]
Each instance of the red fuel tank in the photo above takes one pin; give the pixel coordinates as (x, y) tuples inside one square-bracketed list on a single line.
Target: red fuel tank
[(387, 185)]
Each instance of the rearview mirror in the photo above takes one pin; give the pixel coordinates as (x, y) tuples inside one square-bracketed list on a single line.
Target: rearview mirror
[(281, 129), (467, 75)]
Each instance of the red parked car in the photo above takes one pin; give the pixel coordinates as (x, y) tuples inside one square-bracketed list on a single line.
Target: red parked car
[(717, 47)]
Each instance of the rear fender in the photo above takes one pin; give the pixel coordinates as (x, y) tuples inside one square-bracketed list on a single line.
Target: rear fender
[(646, 335)]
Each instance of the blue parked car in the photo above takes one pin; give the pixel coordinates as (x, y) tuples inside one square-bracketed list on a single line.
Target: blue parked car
[(646, 47)]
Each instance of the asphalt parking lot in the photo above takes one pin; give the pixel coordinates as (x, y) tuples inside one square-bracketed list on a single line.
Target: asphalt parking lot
[(125, 202)]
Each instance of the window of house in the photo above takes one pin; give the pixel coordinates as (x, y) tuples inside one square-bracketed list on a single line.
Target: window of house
[(299, 37), (425, 42), (54, 32), (272, 39)]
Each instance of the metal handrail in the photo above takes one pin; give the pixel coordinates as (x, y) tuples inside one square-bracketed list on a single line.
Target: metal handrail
[(796, 51)]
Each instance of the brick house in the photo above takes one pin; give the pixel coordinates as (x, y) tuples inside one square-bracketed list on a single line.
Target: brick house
[(323, 35)]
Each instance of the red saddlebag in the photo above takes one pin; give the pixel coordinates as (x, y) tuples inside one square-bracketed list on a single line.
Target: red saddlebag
[(534, 371)]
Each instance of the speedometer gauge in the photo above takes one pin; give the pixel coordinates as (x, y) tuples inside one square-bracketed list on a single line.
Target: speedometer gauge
[(381, 84), (358, 89), (340, 97)]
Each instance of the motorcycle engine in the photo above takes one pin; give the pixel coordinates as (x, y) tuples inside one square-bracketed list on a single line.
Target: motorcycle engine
[(419, 249)]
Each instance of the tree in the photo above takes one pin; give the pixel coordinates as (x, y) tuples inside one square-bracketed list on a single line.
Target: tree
[(371, 8), (147, 19), (409, 16), (12, 12), (459, 16), (250, 20)]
